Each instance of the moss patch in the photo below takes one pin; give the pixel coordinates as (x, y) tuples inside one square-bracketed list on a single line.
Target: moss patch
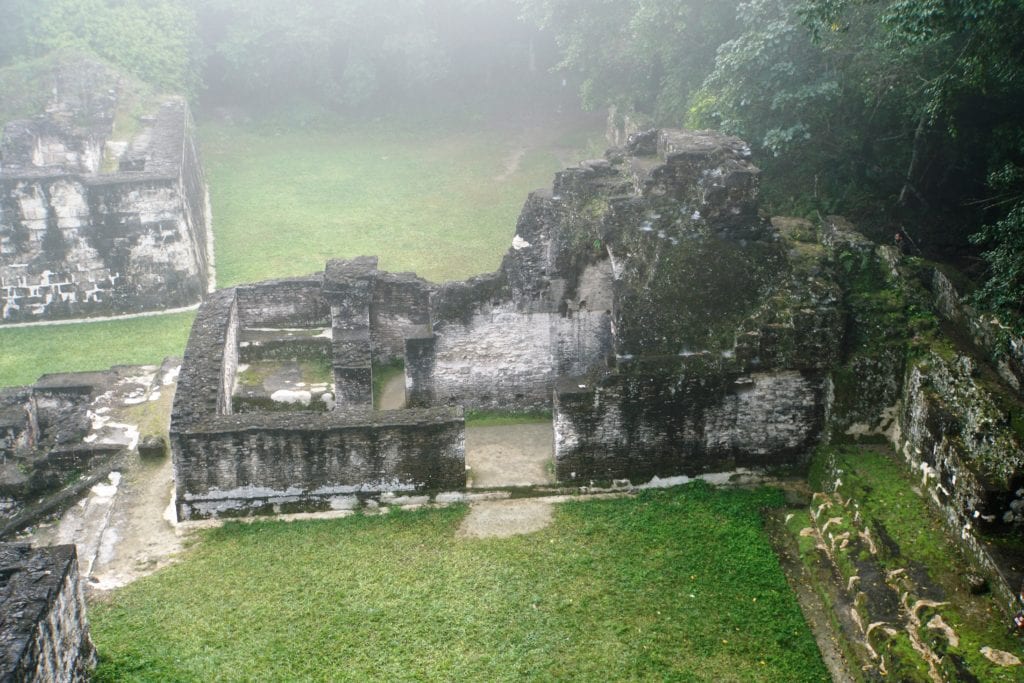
[(911, 537), (696, 294)]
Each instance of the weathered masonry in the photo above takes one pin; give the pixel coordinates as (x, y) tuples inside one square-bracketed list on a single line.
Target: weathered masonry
[(644, 301), (92, 226), (44, 635), (315, 442)]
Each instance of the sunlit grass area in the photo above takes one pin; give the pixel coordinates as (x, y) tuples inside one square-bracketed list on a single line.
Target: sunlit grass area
[(28, 352), (441, 200), (676, 585)]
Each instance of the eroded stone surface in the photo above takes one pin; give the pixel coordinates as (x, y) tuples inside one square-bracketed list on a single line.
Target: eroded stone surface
[(44, 635), (83, 237)]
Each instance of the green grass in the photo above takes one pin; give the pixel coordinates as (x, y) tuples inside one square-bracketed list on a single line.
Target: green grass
[(427, 200), (499, 418), (677, 585), (28, 352)]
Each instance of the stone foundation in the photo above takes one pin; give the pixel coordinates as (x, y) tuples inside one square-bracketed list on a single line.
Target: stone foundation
[(44, 634)]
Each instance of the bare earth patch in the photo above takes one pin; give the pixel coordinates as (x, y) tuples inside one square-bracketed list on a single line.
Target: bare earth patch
[(503, 518), (510, 455)]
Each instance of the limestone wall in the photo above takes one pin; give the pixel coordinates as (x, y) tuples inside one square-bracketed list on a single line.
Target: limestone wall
[(399, 309), (640, 425), (499, 358), (281, 462), (44, 634), (78, 243), (297, 302)]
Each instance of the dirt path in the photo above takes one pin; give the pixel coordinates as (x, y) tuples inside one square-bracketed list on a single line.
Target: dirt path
[(513, 455), (504, 518), (511, 163), (392, 396), (548, 135)]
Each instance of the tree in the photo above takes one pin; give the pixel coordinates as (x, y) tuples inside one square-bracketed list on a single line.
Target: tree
[(642, 56), (152, 39), (1003, 289)]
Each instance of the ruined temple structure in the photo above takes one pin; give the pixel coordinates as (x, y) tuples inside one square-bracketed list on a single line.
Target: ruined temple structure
[(44, 635), (96, 219), (644, 301)]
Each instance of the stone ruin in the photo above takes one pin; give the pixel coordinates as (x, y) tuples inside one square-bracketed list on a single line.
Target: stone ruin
[(96, 220), (644, 301), (669, 328), (67, 432), (44, 635)]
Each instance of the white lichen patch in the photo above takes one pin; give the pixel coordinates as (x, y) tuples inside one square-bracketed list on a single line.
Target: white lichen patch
[(519, 243), (171, 376), (1000, 657), (109, 489), (292, 396)]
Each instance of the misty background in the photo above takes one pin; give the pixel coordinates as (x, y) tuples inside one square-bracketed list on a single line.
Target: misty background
[(902, 114)]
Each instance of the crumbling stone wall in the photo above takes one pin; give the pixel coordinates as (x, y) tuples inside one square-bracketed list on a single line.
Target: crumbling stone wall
[(290, 462), (278, 303), (943, 393), (643, 299), (262, 462), (641, 425), (998, 344), (80, 239), (721, 336), (19, 427), (44, 634)]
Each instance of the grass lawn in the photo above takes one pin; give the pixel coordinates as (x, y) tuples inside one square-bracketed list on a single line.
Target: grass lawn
[(439, 200), (672, 585), (28, 352)]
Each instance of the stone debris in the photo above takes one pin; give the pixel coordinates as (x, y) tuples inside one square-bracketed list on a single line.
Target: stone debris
[(1000, 657)]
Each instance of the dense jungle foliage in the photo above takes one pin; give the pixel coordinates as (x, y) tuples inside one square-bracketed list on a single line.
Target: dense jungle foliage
[(903, 114)]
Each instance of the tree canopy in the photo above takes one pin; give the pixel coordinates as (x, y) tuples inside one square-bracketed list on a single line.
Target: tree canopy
[(902, 113)]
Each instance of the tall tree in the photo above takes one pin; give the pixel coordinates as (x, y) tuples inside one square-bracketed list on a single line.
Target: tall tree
[(642, 56)]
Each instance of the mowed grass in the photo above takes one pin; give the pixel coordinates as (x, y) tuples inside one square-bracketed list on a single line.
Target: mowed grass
[(441, 200), (438, 200), (673, 585), (27, 353)]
